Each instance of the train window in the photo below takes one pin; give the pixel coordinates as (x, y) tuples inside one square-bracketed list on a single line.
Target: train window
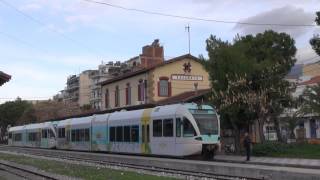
[(51, 134), (10, 135), (17, 137), (126, 133), (73, 135), (119, 134), (134, 133), (112, 134), (168, 127), (77, 135), (188, 130), (157, 128), (178, 127), (44, 133), (87, 134), (81, 134), (61, 133)]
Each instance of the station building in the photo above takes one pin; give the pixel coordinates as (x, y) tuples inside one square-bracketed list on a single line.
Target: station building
[(156, 81), (4, 78)]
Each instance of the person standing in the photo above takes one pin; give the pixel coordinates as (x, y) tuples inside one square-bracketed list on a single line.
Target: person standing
[(247, 145)]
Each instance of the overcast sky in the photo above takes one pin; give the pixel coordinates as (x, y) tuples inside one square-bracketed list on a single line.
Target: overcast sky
[(47, 40)]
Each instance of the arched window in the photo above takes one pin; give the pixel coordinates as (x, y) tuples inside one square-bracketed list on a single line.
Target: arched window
[(128, 94), (116, 97), (164, 87), (141, 88), (106, 99)]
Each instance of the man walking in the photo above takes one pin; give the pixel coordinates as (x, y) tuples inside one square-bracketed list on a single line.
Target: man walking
[(247, 145)]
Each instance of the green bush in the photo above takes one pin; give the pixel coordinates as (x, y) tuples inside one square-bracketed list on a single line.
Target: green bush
[(268, 148), (276, 149)]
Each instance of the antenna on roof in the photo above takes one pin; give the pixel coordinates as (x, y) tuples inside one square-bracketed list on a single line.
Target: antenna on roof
[(187, 28)]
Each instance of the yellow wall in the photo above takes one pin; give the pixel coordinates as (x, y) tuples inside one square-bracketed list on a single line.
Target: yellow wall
[(134, 81), (312, 69), (152, 77), (180, 86)]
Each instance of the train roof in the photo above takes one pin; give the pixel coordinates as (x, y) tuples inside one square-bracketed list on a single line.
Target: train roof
[(16, 128)]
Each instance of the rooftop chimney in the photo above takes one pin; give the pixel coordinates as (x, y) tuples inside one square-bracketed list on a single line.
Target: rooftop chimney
[(152, 55)]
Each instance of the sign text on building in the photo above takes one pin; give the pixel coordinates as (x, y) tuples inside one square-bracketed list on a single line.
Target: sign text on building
[(182, 77)]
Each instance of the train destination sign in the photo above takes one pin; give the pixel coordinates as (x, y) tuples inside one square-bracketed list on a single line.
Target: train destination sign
[(183, 77)]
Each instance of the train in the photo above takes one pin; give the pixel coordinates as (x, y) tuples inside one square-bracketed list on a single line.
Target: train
[(178, 130)]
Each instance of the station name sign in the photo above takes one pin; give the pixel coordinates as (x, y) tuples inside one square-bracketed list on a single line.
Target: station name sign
[(183, 77)]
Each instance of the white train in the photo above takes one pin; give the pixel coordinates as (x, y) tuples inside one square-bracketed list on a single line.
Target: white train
[(171, 130)]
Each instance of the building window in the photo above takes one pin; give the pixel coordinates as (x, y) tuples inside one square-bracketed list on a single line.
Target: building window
[(128, 94), (141, 88), (116, 97), (164, 87), (106, 98)]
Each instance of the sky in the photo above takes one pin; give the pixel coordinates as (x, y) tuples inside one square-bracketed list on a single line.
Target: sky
[(42, 42)]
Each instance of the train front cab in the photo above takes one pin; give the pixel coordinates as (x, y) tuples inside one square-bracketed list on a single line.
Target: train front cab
[(173, 132), (208, 124)]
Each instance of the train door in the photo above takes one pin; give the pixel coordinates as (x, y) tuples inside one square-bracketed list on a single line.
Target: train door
[(51, 138), (184, 139), (44, 138), (163, 140)]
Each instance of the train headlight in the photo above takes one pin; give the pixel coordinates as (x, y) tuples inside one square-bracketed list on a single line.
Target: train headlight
[(198, 138)]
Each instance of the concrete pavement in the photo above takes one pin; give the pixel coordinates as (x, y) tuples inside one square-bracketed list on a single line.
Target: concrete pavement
[(290, 162)]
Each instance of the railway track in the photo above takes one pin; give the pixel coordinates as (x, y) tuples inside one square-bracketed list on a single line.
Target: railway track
[(95, 158), (16, 171)]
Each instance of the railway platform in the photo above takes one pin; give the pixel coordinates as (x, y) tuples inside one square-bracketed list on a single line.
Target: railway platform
[(271, 161), (238, 170)]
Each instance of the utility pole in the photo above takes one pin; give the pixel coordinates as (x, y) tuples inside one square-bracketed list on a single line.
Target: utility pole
[(188, 29)]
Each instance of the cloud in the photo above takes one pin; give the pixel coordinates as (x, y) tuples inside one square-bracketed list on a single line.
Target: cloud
[(30, 7), (306, 55), (284, 15)]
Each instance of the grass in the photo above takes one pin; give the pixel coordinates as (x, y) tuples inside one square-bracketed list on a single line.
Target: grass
[(274, 149), (80, 171)]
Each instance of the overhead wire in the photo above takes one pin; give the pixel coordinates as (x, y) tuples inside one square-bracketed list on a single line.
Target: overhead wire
[(31, 18), (195, 18)]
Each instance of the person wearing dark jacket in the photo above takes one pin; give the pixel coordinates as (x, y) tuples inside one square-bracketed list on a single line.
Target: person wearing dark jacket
[(247, 145)]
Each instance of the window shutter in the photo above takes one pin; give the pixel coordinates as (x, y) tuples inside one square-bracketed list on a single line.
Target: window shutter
[(127, 96), (115, 99), (169, 89), (139, 92), (159, 88)]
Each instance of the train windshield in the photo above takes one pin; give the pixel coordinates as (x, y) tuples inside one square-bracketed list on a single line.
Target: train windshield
[(207, 121)]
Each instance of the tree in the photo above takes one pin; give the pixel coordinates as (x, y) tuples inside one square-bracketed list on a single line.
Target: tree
[(315, 41), (11, 112), (247, 76), (311, 100)]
